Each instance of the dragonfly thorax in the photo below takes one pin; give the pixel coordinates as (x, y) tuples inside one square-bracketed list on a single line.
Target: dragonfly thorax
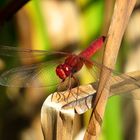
[(72, 64)]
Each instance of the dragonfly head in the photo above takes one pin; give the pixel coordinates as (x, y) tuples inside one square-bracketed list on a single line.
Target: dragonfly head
[(63, 71)]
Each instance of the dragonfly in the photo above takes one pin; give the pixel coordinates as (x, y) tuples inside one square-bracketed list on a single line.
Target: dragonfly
[(59, 73)]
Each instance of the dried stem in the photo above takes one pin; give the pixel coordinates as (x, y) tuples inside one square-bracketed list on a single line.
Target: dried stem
[(57, 123), (57, 117), (121, 15)]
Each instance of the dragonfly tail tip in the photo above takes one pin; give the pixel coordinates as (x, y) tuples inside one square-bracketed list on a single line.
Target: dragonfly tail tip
[(104, 37)]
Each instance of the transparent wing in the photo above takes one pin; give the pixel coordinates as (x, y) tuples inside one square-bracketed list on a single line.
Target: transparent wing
[(130, 82), (36, 75), (27, 53)]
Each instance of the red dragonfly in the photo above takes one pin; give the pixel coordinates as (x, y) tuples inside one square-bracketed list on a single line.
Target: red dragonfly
[(25, 76), (60, 72)]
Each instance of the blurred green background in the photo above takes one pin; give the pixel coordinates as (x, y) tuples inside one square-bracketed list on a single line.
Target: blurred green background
[(63, 26)]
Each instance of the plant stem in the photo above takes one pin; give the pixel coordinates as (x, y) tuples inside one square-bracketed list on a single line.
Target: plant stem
[(10, 9), (121, 15)]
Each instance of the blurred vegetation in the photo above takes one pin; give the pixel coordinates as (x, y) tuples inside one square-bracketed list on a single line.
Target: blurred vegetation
[(53, 25)]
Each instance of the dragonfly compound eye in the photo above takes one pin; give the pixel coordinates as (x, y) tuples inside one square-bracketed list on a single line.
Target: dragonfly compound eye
[(67, 69), (60, 72)]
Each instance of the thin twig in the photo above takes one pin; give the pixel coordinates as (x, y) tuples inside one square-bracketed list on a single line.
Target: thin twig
[(121, 15)]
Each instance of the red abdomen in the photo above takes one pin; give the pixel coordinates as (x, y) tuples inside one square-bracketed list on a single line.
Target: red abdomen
[(93, 48)]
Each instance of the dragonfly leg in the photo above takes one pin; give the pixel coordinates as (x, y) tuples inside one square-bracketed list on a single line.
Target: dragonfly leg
[(81, 91), (78, 84), (68, 89), (58, 89), (56, 95)]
